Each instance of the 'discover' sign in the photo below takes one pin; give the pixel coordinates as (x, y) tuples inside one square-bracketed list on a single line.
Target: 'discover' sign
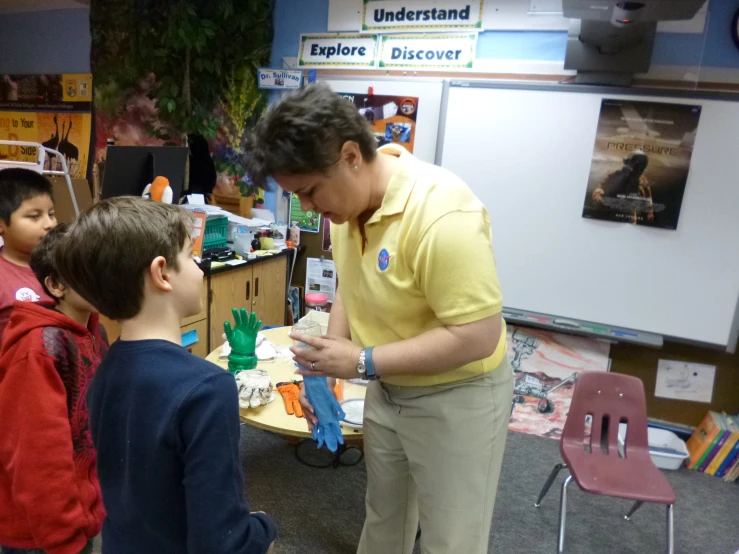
[(392, 16), (278, 78), (443, 51), (338, 50)]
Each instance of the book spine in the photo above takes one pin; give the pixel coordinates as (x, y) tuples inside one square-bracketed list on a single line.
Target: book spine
[(702, 439), (728, 463), (715, 449)]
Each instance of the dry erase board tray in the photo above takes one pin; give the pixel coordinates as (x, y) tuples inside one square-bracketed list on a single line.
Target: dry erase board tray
[(583, 328)]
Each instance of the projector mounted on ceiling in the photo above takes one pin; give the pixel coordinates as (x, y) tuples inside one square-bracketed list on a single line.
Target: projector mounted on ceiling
[(609, 41)]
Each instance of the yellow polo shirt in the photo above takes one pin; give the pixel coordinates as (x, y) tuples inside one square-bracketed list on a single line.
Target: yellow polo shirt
[(428, 262)]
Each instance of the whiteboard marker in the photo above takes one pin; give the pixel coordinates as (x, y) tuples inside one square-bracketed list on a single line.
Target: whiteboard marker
[(567, 323)]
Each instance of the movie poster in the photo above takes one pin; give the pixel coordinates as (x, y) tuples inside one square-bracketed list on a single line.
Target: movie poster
[(546, 366), (52, 110), (641, 162), (393, 118)]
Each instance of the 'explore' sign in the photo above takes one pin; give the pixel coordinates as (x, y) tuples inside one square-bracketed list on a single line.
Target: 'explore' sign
[(338, 50)]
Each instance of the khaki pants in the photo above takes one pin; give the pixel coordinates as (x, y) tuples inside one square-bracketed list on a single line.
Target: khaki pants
[(434, 456)]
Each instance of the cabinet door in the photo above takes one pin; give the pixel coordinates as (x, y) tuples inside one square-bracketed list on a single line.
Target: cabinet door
[(270, 282), (199, 348), (233, 289)]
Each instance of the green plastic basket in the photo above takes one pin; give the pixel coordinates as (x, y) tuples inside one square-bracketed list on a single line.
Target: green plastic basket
[(216, 233)]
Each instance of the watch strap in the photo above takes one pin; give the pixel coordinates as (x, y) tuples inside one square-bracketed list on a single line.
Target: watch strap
[(370, 364)]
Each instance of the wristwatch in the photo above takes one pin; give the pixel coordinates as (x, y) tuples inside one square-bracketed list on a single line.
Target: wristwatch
[(361, 367), (366, 366)]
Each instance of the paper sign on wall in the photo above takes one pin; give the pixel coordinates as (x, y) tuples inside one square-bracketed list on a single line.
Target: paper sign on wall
[(279, 78), (392, 16), (338, 50), (443, 51)]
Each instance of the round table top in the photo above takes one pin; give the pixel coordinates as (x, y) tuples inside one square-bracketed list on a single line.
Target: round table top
[(273, 416)]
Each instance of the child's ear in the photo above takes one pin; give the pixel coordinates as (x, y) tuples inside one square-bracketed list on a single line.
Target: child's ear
[(56, 289), (159, 274)]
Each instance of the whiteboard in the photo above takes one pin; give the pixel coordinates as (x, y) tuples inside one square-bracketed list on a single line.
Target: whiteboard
[(428, 93), (527, 153)]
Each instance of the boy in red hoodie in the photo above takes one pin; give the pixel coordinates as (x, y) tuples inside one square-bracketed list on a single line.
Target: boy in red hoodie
[(50, 498)]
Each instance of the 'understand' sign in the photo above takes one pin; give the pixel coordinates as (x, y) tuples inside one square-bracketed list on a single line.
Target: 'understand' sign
[(392, 16), (338, 50)]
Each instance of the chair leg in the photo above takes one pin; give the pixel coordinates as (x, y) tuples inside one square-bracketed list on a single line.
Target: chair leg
[(563, 516), (634, 508), (670, 530), (545, 489)]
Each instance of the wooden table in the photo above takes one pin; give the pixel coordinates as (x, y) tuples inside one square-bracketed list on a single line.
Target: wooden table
[(273, 416)]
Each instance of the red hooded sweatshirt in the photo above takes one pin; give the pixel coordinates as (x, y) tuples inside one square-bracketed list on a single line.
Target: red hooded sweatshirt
[(50, 495)]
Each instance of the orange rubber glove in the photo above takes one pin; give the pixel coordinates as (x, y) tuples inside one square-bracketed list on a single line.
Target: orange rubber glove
[(290, 393)]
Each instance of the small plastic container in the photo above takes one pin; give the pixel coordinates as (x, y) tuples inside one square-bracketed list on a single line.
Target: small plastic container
[(316, 301), (667, 450), (311, 328)]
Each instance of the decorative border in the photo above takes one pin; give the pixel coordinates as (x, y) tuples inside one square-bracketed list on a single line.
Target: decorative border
[(304, 38), (468, 65)]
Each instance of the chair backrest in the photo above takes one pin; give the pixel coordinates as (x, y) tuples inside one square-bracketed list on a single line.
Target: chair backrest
[(608, 399)]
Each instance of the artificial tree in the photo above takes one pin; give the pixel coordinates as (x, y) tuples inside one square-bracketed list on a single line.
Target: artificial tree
[(199, 54)]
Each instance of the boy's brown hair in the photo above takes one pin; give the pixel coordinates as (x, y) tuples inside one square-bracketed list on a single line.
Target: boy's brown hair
[(105, 254)]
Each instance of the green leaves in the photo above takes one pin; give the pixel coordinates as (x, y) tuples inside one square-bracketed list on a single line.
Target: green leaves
[(198, 51)]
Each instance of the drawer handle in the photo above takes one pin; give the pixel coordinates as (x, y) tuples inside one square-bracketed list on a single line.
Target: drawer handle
[(256, 287), (248, 290)]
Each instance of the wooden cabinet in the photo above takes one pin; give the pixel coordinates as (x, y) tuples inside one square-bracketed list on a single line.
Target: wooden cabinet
[(270, 288), (199, 348), (259, 287)]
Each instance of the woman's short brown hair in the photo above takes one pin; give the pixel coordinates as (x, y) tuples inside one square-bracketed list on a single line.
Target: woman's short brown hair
[(304, 133), (105, 254)]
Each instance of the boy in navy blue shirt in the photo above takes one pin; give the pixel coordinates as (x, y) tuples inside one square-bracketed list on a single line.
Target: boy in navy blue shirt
[(165, 423)]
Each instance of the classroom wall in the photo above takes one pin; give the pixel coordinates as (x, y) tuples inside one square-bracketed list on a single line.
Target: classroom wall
[(55, 41), (714, 48)]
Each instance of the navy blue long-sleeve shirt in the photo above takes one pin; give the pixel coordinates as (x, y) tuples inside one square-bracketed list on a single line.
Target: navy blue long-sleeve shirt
[(166, 427)]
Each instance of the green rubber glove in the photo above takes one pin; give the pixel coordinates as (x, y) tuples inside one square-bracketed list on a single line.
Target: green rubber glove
[(243, 340)]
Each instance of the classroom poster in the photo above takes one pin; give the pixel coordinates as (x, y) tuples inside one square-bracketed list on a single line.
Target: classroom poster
[(52, 110), (641, 162), (393, 118), (326, 235), (546, 366), (320, 276), (308, 221)]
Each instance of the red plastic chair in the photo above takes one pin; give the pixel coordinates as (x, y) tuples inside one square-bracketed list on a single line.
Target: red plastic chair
[(593, 459)]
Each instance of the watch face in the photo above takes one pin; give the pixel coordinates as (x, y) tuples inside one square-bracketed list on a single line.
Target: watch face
[(735, 29)]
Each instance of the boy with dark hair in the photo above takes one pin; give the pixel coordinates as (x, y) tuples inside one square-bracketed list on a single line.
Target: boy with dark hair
[(26, 215), (165, 423), (50, 499)]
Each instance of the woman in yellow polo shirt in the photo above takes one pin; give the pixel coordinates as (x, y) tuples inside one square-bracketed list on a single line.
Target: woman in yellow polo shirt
[(418, 312)]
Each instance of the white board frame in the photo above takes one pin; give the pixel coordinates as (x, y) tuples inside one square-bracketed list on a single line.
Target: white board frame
[(723, 334)]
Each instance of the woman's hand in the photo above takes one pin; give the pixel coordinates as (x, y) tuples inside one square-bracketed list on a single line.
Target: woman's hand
[(330, 356)]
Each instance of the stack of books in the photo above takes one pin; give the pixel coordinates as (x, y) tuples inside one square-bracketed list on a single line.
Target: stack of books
[(714, 446)]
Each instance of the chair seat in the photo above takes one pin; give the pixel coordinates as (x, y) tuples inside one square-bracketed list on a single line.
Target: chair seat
[(634, 478)]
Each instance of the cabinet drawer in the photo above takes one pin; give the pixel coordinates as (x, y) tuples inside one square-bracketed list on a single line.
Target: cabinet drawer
[(203, 314), (199, 348)]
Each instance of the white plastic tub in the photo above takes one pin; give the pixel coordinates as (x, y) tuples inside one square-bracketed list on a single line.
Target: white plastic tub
[(667, 450)]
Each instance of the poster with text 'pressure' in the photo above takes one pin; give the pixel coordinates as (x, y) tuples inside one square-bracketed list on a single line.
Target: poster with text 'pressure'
[(392, 118), (641, 162)]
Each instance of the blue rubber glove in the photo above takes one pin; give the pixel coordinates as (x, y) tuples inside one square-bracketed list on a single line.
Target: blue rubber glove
[(328, 411)]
